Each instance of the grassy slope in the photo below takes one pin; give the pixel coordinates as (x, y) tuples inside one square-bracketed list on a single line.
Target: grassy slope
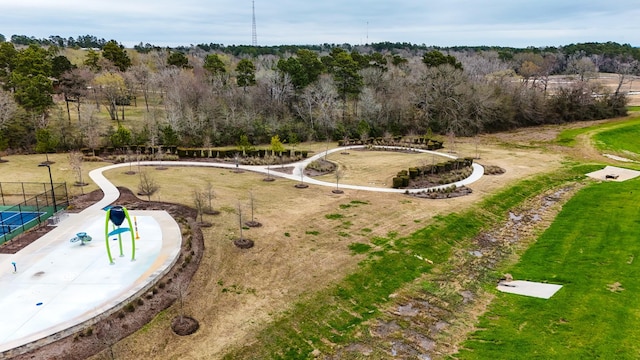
[(593, 243), (332, 316), (620, 140), (568, 137)]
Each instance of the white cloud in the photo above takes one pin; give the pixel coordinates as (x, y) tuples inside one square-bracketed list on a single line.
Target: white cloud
[(454, 22)]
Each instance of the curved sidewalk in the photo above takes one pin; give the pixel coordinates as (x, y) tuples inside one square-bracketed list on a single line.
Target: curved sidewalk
[(61, 287), (297, 173)]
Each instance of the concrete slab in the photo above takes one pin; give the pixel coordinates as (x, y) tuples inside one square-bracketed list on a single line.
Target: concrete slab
[(529, 288), (613, 173), (60, 284)]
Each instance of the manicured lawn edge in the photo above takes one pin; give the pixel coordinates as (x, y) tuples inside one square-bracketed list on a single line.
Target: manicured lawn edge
[(590, 249)]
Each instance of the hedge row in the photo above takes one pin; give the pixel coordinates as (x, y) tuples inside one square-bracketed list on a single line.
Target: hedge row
[(190, 152), (226, 154), (403, 177), (420, 142), (103, 151)]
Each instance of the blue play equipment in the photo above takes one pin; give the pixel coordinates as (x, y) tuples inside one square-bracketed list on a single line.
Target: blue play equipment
[(116, 215), (82, 237)]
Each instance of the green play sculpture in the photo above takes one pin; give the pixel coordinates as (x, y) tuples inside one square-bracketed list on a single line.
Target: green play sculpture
[(117, 214)]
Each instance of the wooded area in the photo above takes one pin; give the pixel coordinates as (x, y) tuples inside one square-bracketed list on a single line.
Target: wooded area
[(60, 94)]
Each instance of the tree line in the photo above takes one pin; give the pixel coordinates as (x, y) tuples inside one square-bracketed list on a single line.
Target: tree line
[(215, 95)]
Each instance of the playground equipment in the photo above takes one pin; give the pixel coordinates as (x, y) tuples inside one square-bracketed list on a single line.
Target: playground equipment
[(116, 215), (82, 237)]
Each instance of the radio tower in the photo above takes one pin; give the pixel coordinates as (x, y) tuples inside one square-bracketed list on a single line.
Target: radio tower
[(254, 33)]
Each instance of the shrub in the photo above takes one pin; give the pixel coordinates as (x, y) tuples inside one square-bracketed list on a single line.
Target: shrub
[(359, 248), (397, 182)]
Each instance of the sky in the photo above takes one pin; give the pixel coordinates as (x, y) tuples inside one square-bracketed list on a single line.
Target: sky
[(514, 23)]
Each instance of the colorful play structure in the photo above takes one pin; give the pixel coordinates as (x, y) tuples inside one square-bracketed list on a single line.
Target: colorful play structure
[(116, 215), (82, 237)]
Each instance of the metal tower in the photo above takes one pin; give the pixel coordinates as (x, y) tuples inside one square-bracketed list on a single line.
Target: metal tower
[(254, 34)]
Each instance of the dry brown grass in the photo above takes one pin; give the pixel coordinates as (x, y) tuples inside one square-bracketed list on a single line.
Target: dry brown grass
[(375, 168), (24, 168), (236, 291)]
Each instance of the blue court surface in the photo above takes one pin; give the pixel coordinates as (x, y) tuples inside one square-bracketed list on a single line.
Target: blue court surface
[(9, 220)]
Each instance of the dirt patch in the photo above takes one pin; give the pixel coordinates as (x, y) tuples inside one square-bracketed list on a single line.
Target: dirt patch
[(244, 243), (493, 170), (105, 333), (184, 325), (615, 287)]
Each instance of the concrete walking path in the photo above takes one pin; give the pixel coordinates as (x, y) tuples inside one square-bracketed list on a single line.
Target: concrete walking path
[(60, 286)]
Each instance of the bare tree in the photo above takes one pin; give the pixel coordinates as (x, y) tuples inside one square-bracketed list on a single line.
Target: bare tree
[(7, 107), (199, 200), (74, 86), (371, 109), (76, 161), (147, 185), (112, 88), (109, 336), (252, 202), (142, 77), (209, 195), (159, 156), (91, 128), (183, 324), (318, 104), (242, 242), (624, 67), (581, 66), (241, 225), (442, 99), (130, 161), (339, 174), (478, 65)]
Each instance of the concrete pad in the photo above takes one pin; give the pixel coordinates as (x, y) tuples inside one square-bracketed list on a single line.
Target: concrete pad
[(618, 158), (60, 284), (618, 174), (529, 288)]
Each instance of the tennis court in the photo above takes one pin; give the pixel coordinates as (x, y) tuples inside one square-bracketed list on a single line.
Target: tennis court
[(11, 220)]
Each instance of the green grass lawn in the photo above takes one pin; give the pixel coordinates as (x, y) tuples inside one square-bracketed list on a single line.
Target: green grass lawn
[(568, 137), (332, 316), (593, 244), (620, 140)]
